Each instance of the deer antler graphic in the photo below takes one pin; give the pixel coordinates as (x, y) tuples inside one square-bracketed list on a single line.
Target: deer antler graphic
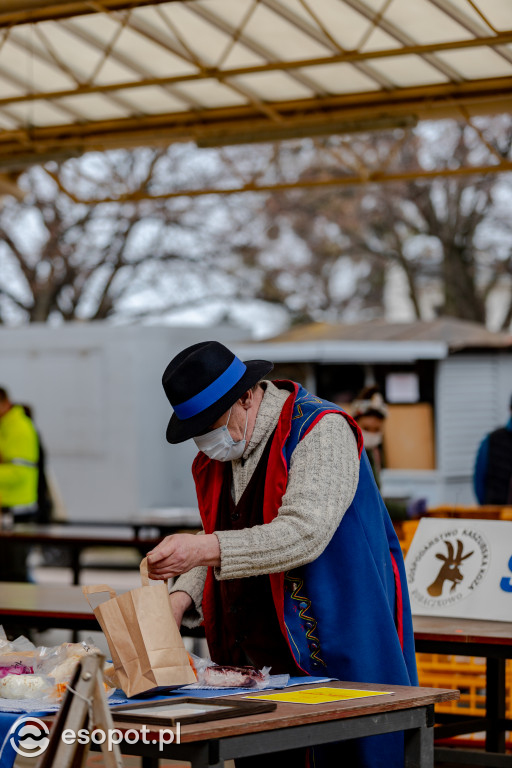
[(449, 570)]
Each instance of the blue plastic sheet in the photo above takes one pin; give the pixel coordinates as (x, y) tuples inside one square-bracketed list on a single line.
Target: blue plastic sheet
[(12, 722)]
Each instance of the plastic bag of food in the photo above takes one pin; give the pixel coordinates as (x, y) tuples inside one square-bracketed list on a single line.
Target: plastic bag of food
[(21, 643), (61, 666), (211, 675), (17, 662), (14, 668), (27, 672), (21, 657), (69, 656)]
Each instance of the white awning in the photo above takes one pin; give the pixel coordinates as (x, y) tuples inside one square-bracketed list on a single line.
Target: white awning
[(78, 75)]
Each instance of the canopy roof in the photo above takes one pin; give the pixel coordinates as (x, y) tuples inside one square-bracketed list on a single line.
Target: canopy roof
[(457, 334), (96, 74), (377, 341)]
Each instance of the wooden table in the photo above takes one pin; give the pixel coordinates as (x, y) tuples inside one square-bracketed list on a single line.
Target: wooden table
[(42, 606), (77, 538), (300, 725), (45, 606), (468, 637), (138, 532), (165, 520)]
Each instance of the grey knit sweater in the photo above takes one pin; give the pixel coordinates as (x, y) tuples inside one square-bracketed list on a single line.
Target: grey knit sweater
[(322, 481)]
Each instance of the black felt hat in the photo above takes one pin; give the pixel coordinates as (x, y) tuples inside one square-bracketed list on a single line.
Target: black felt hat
[(202, 382)]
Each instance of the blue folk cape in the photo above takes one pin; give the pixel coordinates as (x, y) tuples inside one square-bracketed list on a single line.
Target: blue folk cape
[(347, 613)]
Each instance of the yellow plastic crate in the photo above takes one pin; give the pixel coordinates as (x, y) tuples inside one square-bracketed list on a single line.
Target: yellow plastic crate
[(483, 512), (405, 530), (466, 674)]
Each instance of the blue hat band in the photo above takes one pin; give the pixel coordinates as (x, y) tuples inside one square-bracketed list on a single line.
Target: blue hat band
[(212, 392)]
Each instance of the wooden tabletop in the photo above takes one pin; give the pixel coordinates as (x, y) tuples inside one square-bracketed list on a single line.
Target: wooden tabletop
[(290, 715), (171, 516), (55, 606), (80, 535), (462, 630), (17, 599)]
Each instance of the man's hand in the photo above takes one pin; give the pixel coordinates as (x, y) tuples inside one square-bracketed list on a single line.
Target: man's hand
[(180, 553), (180, 603)]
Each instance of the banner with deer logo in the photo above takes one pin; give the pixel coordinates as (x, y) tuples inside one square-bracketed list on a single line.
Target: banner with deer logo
[(461, 568)]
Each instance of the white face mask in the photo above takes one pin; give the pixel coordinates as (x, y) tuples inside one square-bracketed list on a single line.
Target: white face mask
[(371, 439), (219, 445)]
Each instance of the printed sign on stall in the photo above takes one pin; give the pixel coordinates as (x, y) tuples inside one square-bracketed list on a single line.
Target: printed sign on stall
[(461, 568)]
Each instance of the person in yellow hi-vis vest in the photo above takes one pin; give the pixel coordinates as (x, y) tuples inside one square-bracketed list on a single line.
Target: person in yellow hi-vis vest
[(19, 454)]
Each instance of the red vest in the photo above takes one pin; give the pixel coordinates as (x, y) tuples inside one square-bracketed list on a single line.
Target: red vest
[(208, 476)]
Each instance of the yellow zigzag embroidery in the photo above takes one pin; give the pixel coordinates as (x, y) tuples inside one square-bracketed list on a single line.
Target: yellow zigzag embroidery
[(297, 584)]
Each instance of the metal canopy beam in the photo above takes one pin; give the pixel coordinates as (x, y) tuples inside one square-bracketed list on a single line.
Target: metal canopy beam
[(13, 12), (346, 181), (276, 66), (226, 125), (217, 77)]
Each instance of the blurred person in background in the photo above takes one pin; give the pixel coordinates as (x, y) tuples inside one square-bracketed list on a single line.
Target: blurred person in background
[(370, 412), (492, 477), (19, 456), (44, 494)]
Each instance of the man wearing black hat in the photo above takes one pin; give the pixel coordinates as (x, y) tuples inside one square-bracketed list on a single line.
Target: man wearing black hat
[(492, 478), (299, 567)]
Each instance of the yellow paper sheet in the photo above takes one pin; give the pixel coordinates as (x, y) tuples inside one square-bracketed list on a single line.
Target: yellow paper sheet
[(319, 695)]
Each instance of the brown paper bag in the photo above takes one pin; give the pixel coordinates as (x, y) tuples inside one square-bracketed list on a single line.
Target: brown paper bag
[(144, 641)]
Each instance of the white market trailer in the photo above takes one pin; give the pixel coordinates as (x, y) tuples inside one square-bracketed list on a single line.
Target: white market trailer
[(98, 402), (464, 373)]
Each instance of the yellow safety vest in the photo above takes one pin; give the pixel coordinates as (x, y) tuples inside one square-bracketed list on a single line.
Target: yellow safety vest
[(19, 454)]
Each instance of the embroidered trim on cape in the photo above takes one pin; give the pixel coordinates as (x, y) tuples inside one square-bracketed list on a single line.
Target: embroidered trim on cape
[(296, 584)]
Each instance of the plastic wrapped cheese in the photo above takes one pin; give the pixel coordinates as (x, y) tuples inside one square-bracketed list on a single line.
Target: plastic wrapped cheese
[(25, 686)]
